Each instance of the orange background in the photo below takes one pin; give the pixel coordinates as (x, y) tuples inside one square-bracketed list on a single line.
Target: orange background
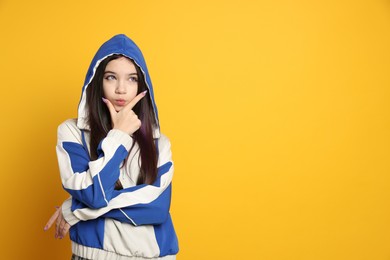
[(278, 113)]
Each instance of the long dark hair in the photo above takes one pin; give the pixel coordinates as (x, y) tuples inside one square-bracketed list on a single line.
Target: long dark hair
[(100, 122)]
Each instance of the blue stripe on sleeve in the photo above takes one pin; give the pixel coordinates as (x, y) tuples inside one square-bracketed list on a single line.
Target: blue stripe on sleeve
[(93, 196), (154, 212), (88, 233), (78, 156), (160, 172)]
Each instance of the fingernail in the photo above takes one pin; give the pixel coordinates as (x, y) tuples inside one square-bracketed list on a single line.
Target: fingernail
[(104, 100), (145, 92), (45, 228), (57, 207)]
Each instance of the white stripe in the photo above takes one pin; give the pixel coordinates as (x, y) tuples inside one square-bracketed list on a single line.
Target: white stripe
[(128, 217), (144, 195), (101, 187)]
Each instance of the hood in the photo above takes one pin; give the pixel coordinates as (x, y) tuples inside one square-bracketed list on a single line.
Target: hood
[(119, 44)]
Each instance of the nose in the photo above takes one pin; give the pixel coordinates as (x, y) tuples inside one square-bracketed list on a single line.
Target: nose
[(120, 87)]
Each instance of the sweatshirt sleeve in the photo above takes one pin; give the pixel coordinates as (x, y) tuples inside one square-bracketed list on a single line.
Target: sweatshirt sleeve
[(141, 204), (67, 212), (90, 182)]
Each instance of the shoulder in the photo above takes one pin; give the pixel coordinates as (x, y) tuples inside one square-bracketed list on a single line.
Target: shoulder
[(68, 131), (163, 140), (164, 148)]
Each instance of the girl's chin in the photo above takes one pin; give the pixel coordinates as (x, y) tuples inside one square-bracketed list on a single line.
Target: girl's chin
[(117, 109)]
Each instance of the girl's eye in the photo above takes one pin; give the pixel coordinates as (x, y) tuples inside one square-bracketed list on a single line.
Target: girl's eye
[(110, 77), (134, 79)]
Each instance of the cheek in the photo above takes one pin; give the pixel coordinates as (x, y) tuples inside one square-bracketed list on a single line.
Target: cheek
[(107, 91), (133, 91)]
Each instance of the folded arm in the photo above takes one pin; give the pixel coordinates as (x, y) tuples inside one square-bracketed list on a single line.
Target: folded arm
[(138, 205), (90, 182)]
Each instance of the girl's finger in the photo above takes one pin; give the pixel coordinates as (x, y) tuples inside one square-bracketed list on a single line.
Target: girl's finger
[(59, 219), (135, 100), (64, 230), (51, 220), (61, 227), (110, 107)]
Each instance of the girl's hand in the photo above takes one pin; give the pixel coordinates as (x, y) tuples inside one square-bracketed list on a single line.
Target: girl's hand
[(125, 120), (62, 227)]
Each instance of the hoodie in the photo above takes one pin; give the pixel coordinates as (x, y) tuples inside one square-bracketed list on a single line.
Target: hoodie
[(132, 223)]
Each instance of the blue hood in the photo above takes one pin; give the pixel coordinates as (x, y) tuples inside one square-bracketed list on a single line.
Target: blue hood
[(119, 44)]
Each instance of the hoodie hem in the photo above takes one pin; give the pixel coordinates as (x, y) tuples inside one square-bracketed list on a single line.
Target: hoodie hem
[(100, 254)]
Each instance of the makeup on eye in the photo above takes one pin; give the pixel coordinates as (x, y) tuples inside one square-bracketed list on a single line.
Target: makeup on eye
[(133, 78), (112, 76)]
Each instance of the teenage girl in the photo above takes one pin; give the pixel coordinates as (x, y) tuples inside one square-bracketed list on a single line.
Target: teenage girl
[(116, 164)]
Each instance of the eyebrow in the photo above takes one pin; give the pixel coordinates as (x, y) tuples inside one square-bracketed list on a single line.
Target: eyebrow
[(133, 73)]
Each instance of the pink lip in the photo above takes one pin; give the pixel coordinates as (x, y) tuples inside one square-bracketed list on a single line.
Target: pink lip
[(120, 102)]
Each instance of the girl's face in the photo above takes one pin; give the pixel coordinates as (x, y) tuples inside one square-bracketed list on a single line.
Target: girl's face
[(120, 82)]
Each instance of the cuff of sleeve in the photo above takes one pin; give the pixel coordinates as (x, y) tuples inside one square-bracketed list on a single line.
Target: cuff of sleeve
[(122, 137), (67, 212)]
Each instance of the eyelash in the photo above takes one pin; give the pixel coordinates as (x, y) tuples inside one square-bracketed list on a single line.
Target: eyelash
[(111, 77), (135, 79)]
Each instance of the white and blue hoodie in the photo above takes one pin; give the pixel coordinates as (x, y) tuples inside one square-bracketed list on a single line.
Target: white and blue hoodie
[(132, 223)]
